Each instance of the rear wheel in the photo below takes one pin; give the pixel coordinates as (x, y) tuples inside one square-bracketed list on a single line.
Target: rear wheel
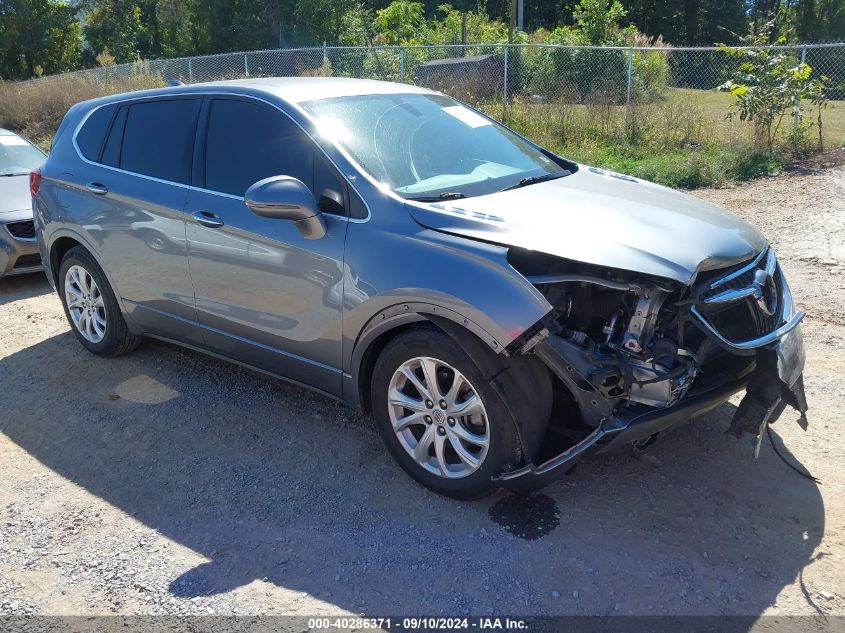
[(439, 417), (91, 307)]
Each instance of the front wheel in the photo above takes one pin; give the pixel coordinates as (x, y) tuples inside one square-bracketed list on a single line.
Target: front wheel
[(439, 417)]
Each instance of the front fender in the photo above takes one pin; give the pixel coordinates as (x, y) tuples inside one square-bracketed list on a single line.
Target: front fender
[(470, 283)]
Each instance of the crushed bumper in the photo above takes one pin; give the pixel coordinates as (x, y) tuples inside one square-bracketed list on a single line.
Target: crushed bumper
[(618, 432)]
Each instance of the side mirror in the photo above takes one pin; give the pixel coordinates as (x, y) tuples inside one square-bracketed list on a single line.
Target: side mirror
[(331, 201), (286, 198)]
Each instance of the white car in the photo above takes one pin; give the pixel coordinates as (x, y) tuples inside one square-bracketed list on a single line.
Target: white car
[(18, 248)]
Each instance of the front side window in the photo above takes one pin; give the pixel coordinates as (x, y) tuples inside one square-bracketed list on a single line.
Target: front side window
[(247, 142), (18, 156), (426, 145), (158, 139)]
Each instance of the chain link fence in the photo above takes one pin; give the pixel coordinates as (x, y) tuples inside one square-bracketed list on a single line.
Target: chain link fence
[(571, 93)]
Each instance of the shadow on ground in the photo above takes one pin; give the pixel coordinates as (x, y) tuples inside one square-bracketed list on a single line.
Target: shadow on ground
[(23, 287), (271, 482)]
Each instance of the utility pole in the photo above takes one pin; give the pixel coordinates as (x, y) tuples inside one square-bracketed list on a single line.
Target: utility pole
[(520, 15)]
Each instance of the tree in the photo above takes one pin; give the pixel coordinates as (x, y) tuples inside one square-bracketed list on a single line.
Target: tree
[(176, 27), (114, 25), (767, 85), (38, 37), (400, 21), (598, 19), (320, 20)]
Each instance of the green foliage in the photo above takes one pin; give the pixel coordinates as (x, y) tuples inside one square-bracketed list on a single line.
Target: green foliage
[(115, 26), (683, 167), (446, 24), (38, 37), (400, 21), (767, 84), (355, 26), (599, 20), (592, 75)]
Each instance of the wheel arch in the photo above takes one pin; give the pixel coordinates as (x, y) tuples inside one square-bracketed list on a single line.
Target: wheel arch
[(61, 243), (516, 378), (392, 322), (58, 250)]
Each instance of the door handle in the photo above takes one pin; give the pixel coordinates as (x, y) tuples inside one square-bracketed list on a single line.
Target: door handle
[(206, 218), (98, 188)]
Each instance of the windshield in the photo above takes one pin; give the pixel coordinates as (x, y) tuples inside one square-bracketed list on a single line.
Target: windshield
[(18, 156), (429, 146)]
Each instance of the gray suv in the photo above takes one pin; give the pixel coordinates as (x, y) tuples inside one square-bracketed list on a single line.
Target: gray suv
[(500, 311)]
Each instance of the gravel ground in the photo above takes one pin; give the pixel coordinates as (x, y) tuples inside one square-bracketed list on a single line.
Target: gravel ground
[(166, 482)]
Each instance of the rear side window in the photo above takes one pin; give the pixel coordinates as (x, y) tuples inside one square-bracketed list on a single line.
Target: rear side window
[(91, 137), (158, 139), (247, 142)]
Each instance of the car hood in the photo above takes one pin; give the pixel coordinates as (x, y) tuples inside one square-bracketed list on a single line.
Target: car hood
[(602, 218), (14, 194)]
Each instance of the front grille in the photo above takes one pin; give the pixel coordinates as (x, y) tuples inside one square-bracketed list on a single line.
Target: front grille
[(742, 302), (23, 230), (28, 261)]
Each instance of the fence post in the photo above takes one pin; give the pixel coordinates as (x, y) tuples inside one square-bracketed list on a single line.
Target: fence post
[(630, 86), (505, 87), (246, 65), (190, 70), (796, 119), (401, 64), (325, 53)]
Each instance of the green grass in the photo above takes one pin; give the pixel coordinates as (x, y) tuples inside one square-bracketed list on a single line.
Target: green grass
[(687, 168), (683, 140)]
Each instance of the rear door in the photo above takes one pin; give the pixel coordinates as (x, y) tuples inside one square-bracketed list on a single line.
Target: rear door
[(265, 295), (136, 214)]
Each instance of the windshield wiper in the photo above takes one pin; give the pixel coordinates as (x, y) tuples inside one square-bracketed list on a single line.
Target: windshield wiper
[(22, 173), (446, 195), (533, 180)]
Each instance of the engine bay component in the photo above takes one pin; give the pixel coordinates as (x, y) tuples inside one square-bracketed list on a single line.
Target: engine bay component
[(630, 339)]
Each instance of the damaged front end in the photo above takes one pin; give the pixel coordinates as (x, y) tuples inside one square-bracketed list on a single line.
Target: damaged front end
[(635, 355)]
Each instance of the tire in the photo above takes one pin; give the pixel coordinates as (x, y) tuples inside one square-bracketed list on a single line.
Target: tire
[(107, 335), (502, 446)]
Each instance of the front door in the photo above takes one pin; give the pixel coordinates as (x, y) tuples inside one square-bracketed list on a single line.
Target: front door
[(265, 295)]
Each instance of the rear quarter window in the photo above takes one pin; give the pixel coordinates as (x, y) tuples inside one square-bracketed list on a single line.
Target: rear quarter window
[(91, 137)]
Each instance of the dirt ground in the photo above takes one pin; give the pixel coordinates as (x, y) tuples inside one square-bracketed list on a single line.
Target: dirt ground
[(166, 482)]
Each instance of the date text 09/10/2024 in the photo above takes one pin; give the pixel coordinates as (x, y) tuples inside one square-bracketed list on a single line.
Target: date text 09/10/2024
[(418, 623)]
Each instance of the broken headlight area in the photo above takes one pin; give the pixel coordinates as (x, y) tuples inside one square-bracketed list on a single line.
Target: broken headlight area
[(631, 337), (625, 346)]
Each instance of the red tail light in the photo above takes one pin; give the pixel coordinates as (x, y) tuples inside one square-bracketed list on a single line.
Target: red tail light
[(34, 181)]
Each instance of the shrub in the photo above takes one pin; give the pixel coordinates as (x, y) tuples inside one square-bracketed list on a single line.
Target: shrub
[(768, 84), (595, 76)]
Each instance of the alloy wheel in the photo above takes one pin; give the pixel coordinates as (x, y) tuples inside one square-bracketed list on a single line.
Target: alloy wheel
[(438, 417), (85, 304)]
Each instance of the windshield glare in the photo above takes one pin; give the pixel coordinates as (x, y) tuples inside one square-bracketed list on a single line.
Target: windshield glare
[(17, 156), (424, 145)]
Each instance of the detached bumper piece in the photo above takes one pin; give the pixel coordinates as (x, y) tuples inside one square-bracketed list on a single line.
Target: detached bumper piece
[(616, 433), (766, 398)]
